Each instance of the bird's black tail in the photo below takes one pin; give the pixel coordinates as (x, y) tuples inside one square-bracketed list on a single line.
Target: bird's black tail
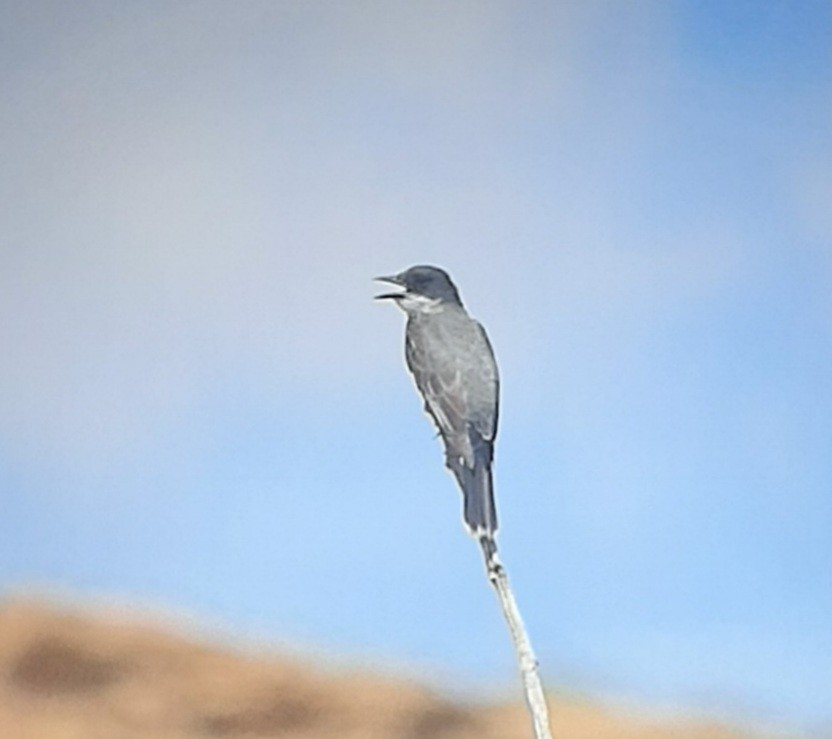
[(478, 508)]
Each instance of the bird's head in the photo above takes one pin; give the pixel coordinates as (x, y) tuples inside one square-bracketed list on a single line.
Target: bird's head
[(425, 289)]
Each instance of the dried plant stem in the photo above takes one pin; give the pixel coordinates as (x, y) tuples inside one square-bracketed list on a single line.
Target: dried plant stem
[(532, 687)]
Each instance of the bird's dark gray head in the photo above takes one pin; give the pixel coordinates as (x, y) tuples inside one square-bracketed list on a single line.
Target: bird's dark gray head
[(424, 283)]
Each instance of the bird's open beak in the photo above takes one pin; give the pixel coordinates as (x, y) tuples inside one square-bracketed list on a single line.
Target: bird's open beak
[(393, 280)]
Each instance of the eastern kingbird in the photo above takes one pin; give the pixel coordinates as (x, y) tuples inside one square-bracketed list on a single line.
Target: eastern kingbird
[(452, 363)]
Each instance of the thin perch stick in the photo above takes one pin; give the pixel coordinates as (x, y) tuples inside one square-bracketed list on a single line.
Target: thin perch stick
[(532, 687)]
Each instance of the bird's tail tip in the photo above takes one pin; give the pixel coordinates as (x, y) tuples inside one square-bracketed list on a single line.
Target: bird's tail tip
[(488, 545)]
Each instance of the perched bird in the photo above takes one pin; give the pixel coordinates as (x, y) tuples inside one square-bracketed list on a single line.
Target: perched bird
[(453, 366)]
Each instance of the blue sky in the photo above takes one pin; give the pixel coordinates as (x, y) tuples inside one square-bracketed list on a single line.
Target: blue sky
[(201, 407)]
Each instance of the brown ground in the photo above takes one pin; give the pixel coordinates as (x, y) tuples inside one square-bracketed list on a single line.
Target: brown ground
[(71, 676)]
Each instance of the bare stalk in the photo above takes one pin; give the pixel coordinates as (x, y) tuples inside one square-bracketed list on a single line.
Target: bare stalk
[(532, 687)]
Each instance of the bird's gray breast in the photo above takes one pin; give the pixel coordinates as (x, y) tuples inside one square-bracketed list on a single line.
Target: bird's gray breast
[(454, 369)]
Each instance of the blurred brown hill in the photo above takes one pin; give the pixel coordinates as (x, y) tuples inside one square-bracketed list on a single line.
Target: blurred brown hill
[(70, 675)]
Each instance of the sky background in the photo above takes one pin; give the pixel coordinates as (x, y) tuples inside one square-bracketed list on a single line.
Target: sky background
[(202, 408)]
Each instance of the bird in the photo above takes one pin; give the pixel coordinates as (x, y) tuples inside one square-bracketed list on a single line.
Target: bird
[(449, 355)]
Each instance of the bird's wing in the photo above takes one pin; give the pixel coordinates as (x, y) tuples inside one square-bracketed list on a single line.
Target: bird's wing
[(484, 388)]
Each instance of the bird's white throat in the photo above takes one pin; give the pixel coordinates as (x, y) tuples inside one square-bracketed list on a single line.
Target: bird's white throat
[(414, 303)]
